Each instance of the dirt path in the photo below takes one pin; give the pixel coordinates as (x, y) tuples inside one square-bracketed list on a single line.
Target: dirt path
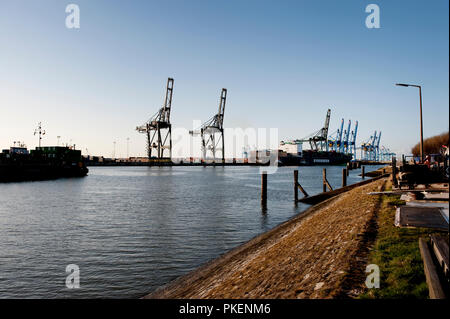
[(319, 254)]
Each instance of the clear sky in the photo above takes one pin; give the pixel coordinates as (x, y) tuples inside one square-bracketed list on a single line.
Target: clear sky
[(283, 62)]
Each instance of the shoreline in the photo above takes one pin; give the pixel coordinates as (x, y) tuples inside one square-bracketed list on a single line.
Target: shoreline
[(245, 272)]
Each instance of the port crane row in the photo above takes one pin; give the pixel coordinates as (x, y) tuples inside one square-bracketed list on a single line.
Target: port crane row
[(158, 130), (344, 141)]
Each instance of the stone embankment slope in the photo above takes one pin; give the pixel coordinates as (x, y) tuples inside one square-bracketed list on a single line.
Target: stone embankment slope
[(321, 253)]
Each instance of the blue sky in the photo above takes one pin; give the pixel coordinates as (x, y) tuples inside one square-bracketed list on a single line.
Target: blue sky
[(283, 62)]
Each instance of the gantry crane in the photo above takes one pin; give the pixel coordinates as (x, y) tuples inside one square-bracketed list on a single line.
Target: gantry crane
[(158, 128), (377, 148), (352, 143), (212, 131), (344, 144), (318, 139), (335, 141), (386, 154), (368, 147)]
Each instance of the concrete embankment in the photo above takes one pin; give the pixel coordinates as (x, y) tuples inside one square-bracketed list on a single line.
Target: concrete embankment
[(320, 253)]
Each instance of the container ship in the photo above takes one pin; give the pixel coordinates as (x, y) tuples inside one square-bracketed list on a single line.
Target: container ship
[(337, 149), (43, 163), (290, 155)]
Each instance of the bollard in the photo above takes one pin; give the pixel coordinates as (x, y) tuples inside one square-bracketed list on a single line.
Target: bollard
[(324, 180), (348, 169), (344, 177), (363, 172), (264, 188)]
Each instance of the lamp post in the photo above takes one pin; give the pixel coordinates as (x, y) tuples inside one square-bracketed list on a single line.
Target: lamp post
[(128, 142), (421, 121)]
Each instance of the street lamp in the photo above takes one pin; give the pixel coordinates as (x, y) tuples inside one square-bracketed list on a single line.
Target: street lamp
[(421, 121)]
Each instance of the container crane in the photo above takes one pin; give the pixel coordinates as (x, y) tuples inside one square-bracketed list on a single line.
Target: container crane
[(318, 140), (158, 128), (367, 147), (353, 141), (335, 141), (377, 148), (212, 131), (344, 144)]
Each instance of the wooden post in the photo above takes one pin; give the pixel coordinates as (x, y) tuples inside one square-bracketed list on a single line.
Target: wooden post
[(344, 177), (296, 185), (363, 173), (264, 188), (348, 168), (394, 171), (325, 181)]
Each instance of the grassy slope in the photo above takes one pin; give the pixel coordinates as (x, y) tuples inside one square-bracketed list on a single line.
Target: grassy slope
[(396, 252)]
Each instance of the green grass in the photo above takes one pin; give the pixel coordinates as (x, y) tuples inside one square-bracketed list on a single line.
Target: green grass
[(396, 252)]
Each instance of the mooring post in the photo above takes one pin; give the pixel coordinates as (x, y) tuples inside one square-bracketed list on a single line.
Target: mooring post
[(394, 171), (348, 169), (344, 177), (363, 171), (324, 180), (297, 186), (264, 188)]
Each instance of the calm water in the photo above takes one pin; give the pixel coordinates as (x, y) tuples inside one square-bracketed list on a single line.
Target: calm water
[(133, 229)]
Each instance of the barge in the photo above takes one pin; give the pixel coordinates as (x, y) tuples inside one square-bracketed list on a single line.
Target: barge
[(44, 163)]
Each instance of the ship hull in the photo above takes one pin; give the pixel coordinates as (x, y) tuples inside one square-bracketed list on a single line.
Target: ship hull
[(311, 158), (37, 172)]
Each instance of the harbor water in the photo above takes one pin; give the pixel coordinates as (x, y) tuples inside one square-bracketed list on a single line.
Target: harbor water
[(133, 229)]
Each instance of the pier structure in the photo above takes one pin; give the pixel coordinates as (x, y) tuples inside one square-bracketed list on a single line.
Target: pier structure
[(212, 132), (159, 129)]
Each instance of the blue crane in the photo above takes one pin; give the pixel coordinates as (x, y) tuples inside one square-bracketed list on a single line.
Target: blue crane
[(377, 148), (353, 141), (344, 145), (334, 142), (368, 147)]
